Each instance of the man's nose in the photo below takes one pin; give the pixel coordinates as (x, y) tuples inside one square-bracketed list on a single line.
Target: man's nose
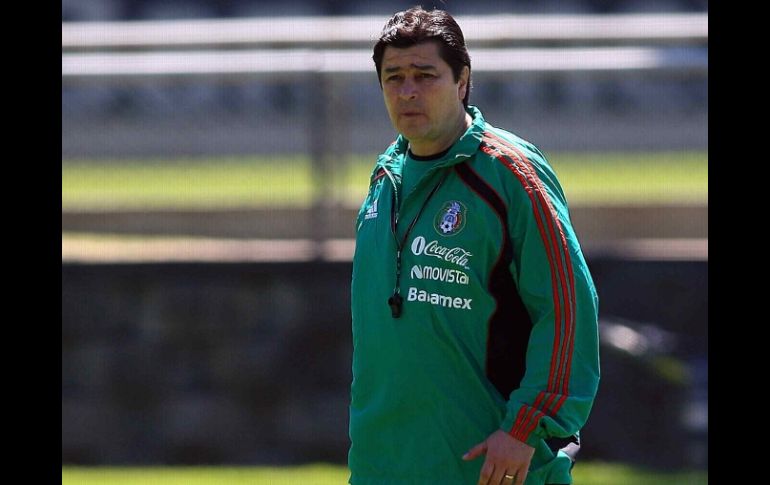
[(408, 89)]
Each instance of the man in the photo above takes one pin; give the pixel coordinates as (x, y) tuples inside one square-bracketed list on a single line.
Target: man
[(474, 314)]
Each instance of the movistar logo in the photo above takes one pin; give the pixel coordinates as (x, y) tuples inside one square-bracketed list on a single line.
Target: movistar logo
[(434, 273)]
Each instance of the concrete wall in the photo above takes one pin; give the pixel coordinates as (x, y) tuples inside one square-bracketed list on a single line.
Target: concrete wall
[(250, 363)]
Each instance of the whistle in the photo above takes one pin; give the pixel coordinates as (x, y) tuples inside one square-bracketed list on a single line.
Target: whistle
[(394, 302)]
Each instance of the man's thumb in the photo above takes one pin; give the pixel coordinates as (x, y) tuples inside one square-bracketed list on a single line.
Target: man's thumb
[(476, 451)]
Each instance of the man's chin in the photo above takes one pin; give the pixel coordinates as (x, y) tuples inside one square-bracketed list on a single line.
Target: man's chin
[(411, 132)]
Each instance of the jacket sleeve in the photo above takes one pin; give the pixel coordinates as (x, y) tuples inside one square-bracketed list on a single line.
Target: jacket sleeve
[(562, 360)]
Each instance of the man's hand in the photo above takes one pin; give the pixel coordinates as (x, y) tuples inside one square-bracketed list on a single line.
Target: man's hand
[(505, 456)]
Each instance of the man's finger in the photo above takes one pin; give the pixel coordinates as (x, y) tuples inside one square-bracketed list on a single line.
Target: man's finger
[(476, 451), (487, 472), (497, 476), (521, 476)]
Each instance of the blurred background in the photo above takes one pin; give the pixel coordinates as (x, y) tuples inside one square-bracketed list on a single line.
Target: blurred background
[(215, 153)]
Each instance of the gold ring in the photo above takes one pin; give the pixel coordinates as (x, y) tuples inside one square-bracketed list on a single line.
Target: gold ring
[(509, 477)]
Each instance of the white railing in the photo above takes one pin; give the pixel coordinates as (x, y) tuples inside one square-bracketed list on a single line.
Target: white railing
[(334, 45), (294, 61), (312, 31)]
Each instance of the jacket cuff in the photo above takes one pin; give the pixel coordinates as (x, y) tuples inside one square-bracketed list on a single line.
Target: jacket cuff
[(530, 435), (532, 439)]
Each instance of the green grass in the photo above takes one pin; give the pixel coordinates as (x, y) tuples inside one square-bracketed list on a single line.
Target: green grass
[(210, 183), (633, 178), (617, 474), (319, 474), (310, 474), (606, 178)]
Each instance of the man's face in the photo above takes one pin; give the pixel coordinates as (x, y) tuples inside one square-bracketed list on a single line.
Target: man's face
[(423, 100)]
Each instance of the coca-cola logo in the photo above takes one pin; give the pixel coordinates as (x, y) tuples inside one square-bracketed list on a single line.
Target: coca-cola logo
[(455, 255)]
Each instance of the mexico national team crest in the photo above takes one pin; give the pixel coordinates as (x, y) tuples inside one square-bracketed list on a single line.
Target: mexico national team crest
[(450, 219)]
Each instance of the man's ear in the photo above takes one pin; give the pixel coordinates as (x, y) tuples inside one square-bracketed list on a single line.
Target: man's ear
[(462, 85)]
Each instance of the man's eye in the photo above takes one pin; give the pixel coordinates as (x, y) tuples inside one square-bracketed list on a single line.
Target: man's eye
[(425, 75)]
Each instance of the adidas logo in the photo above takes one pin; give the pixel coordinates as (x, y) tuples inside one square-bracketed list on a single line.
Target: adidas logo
[(371, 212)]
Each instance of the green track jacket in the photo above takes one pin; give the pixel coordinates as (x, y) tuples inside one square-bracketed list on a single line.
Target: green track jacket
[(498, 328)]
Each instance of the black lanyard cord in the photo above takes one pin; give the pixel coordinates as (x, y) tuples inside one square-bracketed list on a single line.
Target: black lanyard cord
[(395, 301)]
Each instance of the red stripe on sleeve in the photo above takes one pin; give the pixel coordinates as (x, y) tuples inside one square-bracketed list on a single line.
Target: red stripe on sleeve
[(565, 354), (523, 420), (526, 182), (564, 343)]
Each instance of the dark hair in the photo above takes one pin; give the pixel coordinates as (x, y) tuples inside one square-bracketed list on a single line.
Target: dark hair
[(417, 26)]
